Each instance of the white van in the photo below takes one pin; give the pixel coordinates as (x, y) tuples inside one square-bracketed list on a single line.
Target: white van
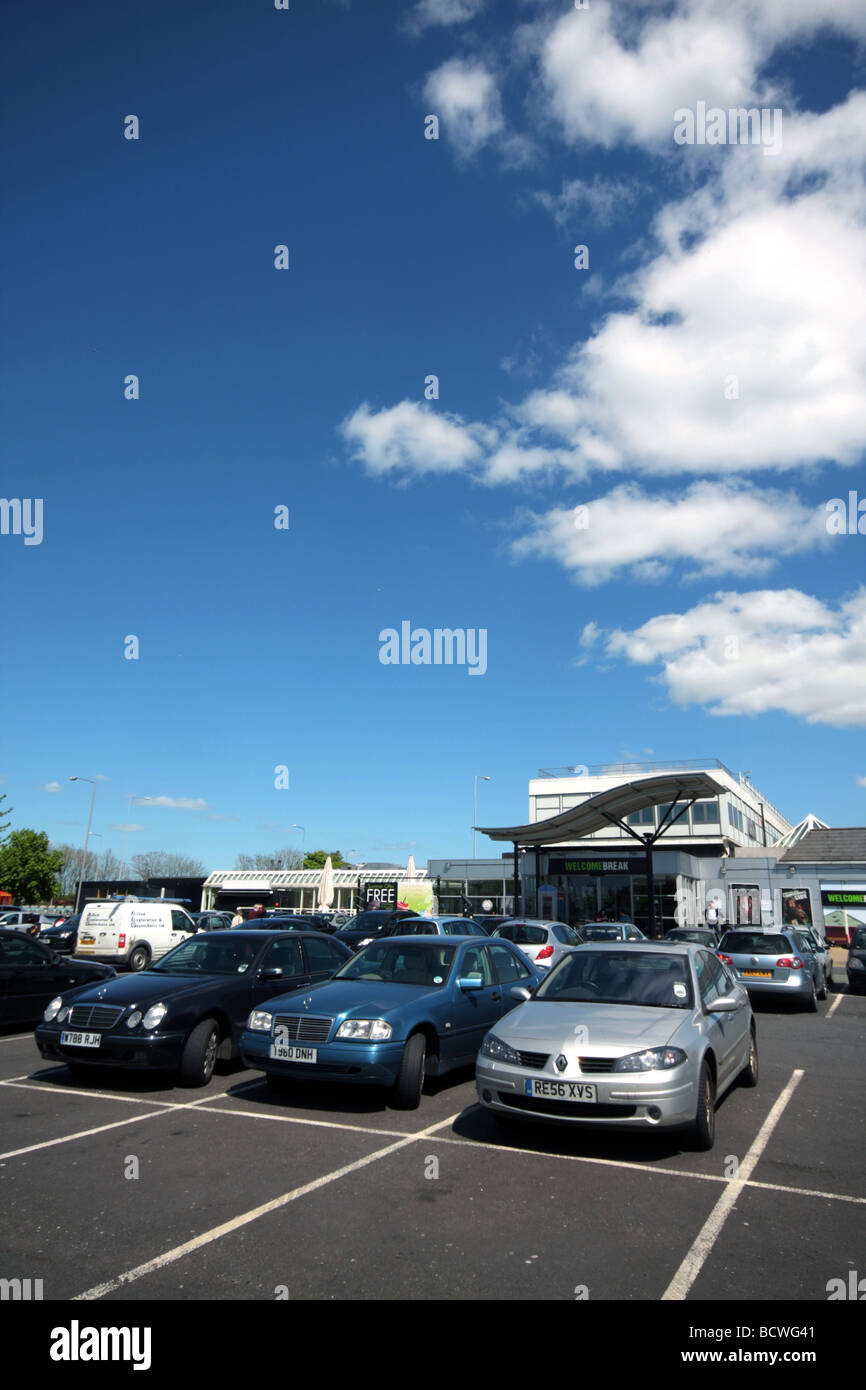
[(131, 934)]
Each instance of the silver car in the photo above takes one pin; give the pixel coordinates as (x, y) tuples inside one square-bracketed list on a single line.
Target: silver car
[(773, 960), (639, 1035), (543, 943)]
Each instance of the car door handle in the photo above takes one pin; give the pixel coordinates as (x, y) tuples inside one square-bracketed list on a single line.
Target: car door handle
[(496, 997)]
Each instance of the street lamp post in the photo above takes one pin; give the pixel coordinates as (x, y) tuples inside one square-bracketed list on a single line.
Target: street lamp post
[(129, 801), (478, 778), (87, 836), (303, 841)]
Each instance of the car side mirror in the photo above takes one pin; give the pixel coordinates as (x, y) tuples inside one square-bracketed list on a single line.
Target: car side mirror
[(726, 1005), (520, 993), (470, 982), (273, 972)]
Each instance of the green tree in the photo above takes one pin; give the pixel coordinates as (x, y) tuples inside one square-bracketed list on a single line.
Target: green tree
[(316, 859), (29, 868)]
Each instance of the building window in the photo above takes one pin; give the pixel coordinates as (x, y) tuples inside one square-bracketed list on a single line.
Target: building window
[(705, 812), (546, 806), (644, 817)]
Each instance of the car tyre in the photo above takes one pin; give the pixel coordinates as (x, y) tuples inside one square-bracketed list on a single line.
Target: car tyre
[(749, 1074), (824, 989), (410, 1080), (139, 958), (703, 1130), (200, 1053), (811, 1004)]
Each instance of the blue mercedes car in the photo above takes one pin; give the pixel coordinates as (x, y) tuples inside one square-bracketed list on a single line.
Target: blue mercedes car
[(402, 1009)]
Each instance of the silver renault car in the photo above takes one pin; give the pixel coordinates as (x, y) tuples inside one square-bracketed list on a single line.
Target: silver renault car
[(641, 1035)]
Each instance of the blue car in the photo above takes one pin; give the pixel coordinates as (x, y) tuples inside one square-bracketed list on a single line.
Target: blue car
[(402, 1009)]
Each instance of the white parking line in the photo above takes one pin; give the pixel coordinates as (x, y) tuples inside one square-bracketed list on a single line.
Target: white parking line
[(207, 1237), (834, 1006), (302, 1120), (16, 1037), (99, 1129), (20, 1085), (694, 1261)]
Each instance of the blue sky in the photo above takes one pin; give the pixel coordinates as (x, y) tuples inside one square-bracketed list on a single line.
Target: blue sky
[(697, 392)]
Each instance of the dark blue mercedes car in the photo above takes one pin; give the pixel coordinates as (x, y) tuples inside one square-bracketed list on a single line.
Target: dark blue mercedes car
[(402, 1009)]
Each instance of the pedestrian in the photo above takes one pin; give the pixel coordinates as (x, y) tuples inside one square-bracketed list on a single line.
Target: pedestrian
[(257, 912), (238, 919)]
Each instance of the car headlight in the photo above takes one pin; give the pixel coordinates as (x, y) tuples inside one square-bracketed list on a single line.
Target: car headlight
[(64, 1013), (134, 1019), (855, 963), (364, 1029), (500, 1051), (155, 1014), (53, 1009), (260, 1021), (654, 1059)]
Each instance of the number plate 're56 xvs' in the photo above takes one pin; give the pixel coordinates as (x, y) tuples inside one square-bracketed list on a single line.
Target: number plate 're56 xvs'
[(563, 1090)]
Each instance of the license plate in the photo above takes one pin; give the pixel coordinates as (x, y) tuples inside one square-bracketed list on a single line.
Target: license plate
[(80, 1039), (563, 1090), (757, 974), (283, 1052), (89, 940)]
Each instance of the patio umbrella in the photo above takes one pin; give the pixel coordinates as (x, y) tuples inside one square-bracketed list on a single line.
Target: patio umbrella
[(326, 886), (411, 871)]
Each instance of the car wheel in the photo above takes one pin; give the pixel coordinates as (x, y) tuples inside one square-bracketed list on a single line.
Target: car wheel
[(811, 1004), (823, 993), (199, 1054), (703, 1131), (410, 1081), (749, 1074), (139, 958)]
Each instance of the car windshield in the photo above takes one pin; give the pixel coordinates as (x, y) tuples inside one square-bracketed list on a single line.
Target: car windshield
[(522, 934), (702, 938), (203, 956), (650, 979), (601, 933), (755, 943), (858, 940), (401, 963)]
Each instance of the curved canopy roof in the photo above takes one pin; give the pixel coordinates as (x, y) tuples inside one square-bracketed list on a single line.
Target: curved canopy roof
[(597, 812)]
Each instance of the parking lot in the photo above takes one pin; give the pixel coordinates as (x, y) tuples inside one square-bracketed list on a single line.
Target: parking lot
[(128, 1188)]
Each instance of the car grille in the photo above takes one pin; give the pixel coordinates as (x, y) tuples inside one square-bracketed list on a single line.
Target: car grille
[(533, 1059), (593, 1066), (94, 1016), (572, 1109), (304, 1028)]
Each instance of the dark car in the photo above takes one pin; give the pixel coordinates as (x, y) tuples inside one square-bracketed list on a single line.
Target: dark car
[(366, 926), (701, 936), (299, 921), (189, 1007), (856, 964), (63, 936), (212, 921), (31, 974)]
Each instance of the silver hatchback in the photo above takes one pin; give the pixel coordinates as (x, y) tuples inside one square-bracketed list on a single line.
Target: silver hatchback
[(773, 960), (543, 943)]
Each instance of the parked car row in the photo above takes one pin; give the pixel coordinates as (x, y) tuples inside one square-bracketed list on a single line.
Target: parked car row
[(630, 1034)]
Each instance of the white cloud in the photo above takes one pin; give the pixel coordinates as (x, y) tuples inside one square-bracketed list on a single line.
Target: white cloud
[(465, 97), (754, 652), (178, 803), (603, 199), (412, 437), (712, 528), (53, 787), (433, 14)]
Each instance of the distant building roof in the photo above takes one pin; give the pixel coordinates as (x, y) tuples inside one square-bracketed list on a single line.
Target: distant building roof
[(846, 844)]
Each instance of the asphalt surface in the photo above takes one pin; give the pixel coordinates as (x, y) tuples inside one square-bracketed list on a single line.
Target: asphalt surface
[(328, 1193)]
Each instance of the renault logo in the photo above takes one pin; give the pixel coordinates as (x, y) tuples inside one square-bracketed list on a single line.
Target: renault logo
[(561, 1062)]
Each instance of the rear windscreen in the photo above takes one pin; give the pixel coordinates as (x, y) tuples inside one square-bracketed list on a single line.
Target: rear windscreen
[(755, 944)]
